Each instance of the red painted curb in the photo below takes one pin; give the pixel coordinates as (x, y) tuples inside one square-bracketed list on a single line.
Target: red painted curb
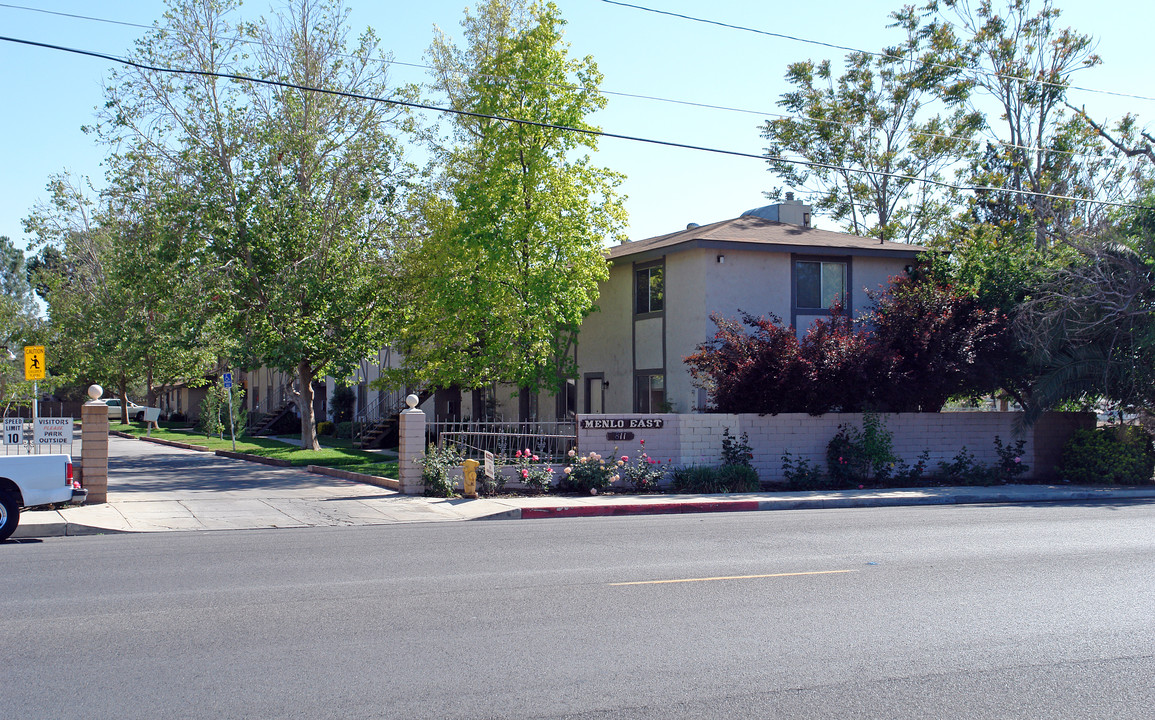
[(639, 509)]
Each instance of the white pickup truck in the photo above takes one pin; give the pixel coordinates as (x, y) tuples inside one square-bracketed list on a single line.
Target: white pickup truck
[(31, 480)]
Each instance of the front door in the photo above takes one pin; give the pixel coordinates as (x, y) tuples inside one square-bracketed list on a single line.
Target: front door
[(595, 394)]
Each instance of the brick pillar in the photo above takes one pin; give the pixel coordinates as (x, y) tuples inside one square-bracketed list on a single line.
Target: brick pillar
[(94, 450), (411, 447)]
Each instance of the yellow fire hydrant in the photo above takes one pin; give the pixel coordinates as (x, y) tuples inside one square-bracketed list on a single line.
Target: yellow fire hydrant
[(469, 477)]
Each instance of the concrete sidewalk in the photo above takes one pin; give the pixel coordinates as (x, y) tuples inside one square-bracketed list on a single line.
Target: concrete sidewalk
[(155, 489)]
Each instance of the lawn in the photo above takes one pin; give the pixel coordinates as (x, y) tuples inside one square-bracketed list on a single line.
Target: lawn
[(345, 458)]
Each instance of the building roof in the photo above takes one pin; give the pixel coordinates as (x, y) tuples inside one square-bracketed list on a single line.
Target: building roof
[(757, 232)]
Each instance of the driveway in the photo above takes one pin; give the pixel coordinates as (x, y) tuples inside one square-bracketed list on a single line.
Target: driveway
[(152, 487)]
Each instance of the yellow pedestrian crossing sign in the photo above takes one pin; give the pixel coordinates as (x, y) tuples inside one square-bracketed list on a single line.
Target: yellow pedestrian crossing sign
[(33, 362)]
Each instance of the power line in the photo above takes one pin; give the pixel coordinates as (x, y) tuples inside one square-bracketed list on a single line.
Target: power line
[(638, 96), (564, 128), (76, 17), (977, 71)]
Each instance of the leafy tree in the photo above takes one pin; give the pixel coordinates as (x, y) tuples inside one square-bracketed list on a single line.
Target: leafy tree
[(1091, 325), (1021, 59), (290, 197), (935, 343), (117, 288), (512, 255), (870, 135), (20, 323), (921, 344)]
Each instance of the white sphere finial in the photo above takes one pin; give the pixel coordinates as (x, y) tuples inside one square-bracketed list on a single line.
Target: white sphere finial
[(95, 391), (411, 401)]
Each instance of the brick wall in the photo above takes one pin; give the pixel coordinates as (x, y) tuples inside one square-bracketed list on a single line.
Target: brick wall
[(690, 439)]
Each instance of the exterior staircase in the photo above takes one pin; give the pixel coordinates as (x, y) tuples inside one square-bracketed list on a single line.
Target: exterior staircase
[(264, 424), (378, 422)]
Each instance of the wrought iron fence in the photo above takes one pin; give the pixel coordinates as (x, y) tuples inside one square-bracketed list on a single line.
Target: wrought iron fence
[(550, 441)]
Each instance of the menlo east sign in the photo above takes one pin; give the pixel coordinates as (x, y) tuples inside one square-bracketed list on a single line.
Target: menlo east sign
[(602, 423)]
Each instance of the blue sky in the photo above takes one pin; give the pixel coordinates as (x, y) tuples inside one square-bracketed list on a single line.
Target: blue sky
[(49, 95)]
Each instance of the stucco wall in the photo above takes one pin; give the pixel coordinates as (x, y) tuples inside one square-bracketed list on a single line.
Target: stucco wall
[(871, 274), (604, 344), (754, 281), (697, 439)]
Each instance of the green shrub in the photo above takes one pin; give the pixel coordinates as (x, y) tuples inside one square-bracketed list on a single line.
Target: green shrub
[(588, 473), (802, 474), (436, 466), (707, 480), (1119, 455), (641, 472), (530, 471), (1011, 463), (964, 469), (736, 451), (345, 430), (911, 475), (856, 456), (341, 403), (695, 479), (738, 479), (325, 428)]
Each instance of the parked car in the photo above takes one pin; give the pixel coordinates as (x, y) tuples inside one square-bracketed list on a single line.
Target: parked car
[(135, 412), (30, 480)]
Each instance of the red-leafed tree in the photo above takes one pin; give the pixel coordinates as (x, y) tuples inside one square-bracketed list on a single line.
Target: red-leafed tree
[(921, 344)]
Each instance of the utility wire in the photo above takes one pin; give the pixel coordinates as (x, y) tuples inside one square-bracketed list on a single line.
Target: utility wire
[(783, 36), (564, 128), (637, 96)]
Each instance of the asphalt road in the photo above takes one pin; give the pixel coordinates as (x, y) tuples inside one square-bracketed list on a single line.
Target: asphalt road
[(944, 612)]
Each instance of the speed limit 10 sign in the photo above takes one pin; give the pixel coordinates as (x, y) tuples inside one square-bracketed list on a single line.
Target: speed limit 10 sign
[(13, 431)]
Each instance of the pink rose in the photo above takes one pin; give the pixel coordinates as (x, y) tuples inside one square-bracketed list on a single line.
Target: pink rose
[(517, 454), (525, 473)]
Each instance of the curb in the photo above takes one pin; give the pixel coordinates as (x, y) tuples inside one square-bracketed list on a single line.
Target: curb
[(386, 483), (671, 508), (160, 441), (276, 462)]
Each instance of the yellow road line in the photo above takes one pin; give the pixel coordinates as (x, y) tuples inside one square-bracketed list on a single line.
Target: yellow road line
[(731, 577)]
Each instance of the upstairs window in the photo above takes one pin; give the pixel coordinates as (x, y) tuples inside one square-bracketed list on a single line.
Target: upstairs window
[(819, 284), (649, 290)]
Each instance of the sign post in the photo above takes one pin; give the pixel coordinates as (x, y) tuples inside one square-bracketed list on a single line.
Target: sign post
[(227, 380), (34, 362)]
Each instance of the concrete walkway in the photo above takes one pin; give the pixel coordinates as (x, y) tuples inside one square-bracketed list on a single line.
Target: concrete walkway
[(153, 488)]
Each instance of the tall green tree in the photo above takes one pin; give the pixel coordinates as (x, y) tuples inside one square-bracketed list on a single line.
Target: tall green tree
[(290, 196), (515, 224), (118, 288), (1022, 60), (872, 135), (20, 323)]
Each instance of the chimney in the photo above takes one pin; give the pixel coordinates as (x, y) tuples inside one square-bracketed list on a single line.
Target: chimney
[(791, 211)]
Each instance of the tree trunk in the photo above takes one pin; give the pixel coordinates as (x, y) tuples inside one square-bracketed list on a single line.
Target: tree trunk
[(150, 393), (305, 407), (123, 390)]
